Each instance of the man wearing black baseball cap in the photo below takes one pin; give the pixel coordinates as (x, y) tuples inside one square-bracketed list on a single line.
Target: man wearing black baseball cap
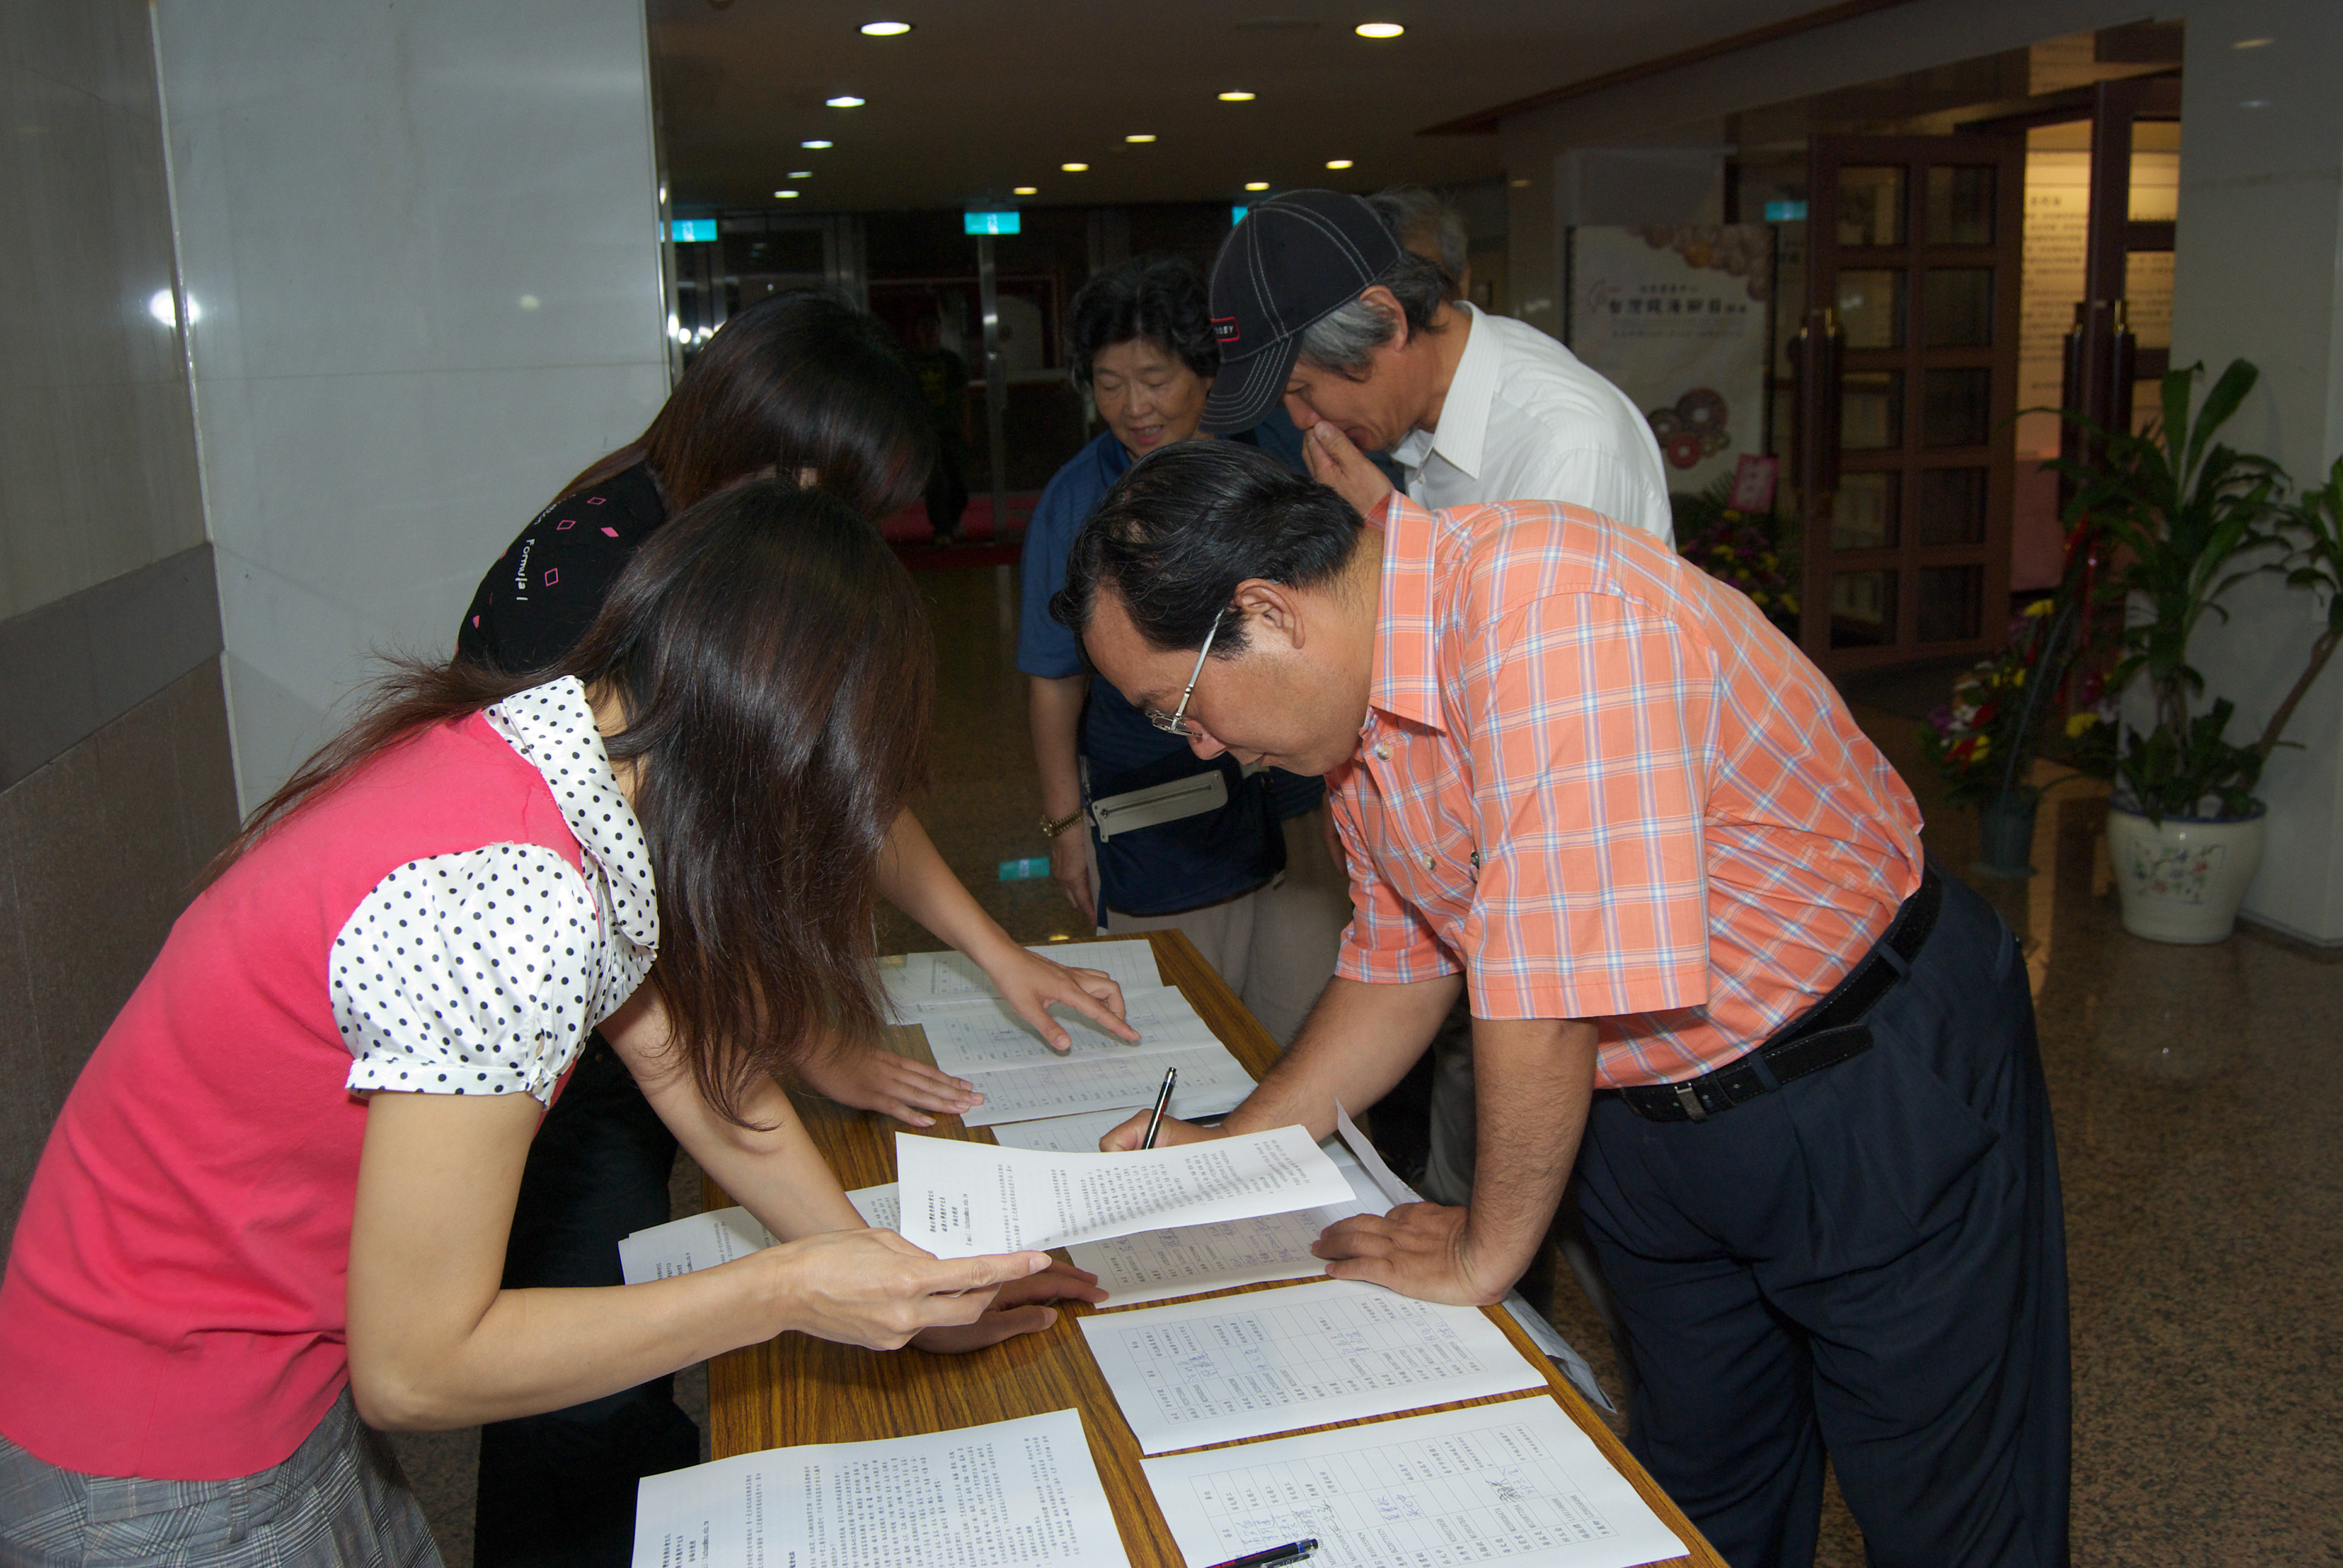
[(1317, 304)]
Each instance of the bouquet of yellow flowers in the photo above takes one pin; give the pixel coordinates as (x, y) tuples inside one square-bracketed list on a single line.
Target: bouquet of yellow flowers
[(1982, 741)]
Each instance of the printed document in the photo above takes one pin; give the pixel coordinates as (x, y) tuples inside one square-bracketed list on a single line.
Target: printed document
[(704, 1241), (915, 980), (1191, 1259), (1063, 1134), (1517, 1480), (1014, 1494), (1211, 1081), (962, 1199), (1239, 1367), (970, 1034)]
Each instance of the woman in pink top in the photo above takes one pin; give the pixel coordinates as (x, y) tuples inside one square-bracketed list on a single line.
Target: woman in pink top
[(273, 1213)]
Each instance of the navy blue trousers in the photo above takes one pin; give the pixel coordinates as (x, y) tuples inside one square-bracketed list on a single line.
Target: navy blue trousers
[(560, 1488), (1869, 1262)]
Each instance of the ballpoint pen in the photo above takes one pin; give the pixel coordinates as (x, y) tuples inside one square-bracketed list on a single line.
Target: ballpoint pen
[(1291, 1552), (1162, 1099)]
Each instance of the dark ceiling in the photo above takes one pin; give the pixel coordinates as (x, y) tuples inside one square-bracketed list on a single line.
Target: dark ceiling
[(979, 98)]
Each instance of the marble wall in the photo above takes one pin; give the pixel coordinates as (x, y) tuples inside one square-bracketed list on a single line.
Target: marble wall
[(2259, 274), (420, 244)]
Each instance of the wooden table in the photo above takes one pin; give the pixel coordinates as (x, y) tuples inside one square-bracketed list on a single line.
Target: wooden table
[(797, 1390)]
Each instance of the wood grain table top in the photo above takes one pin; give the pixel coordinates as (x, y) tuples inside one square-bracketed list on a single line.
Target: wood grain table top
[(797, 1390)]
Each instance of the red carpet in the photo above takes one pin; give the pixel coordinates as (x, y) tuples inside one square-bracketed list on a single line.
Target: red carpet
[(982, 542)]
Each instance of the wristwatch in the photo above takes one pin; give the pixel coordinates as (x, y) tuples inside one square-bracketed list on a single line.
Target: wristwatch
[(1052, 830)]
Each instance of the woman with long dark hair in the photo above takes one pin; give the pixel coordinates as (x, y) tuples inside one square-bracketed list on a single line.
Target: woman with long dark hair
[(272, 1214), (803, 385)]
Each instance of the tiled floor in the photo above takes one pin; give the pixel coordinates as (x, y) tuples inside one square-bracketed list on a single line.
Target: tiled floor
[(2199, 1099)]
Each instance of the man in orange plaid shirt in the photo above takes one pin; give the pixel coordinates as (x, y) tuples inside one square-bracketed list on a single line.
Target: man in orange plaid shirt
[(1596, 791)]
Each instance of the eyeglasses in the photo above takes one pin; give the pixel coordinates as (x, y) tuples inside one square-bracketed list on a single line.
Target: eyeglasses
[(1176, 721)]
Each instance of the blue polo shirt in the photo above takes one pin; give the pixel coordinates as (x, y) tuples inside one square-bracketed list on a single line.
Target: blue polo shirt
[(1115, 736)]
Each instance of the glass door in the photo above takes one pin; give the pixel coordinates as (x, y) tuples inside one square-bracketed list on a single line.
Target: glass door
[(1914, 246)]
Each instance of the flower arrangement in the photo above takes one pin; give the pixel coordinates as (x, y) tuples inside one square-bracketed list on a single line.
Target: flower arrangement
[(1981, 742), (1737, 549)]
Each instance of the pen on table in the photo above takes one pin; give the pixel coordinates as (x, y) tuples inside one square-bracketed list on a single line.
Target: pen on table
[(1162, 1099), (1291, 1552)]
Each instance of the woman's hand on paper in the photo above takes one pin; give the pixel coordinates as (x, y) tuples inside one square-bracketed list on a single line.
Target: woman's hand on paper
[(874, 1289), (1031, 984), (1343, 469), (1418, 1250), (1127, 1138), (870, 1078), (1016, 1309)]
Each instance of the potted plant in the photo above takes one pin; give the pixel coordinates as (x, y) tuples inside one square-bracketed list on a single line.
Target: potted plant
[(2179, 511)]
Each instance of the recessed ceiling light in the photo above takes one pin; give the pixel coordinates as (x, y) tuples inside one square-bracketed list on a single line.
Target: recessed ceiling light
[(800, 173), (1141, 136), (2253, 42), (1520, 185), (1338, 163), (885, 30), (844, 101), (1377, 29), (1075, 168), (1256, 185), (786, 196), (1026, 190), (1239, 97), (816, 147)]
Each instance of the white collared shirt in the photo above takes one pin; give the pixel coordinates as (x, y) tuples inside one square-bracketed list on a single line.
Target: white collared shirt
[(1524, 420), (483, 971)]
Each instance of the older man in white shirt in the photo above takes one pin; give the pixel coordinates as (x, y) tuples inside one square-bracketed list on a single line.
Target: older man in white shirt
[(1316, 303)]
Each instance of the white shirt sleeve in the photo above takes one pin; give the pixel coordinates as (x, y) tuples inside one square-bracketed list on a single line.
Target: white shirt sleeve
[(468, 974)]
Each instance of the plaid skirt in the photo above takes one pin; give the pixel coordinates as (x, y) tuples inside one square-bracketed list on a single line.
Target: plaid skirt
[(341, 1502)]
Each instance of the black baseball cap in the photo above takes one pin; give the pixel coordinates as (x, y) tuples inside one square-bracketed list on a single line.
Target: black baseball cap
[(1294, 260)]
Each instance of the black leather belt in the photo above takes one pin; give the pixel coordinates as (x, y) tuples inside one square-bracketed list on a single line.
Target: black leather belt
[(1825, 1034)]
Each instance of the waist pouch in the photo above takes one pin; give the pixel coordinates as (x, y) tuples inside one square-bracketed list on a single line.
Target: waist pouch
[(1175, 836)]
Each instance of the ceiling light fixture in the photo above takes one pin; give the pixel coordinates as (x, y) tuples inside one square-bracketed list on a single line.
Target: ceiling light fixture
[(1026, 190), (816, 146), (1379, 29), (786, 196), (1256, 185), (1141, 136), (800, 173), (1075, 168), (844, 101), (1237, 98), (885, 30), (1338, 163), (2253, 42)]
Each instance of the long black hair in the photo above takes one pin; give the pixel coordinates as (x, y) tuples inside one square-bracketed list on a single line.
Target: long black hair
[(799, 381), (777, 673)]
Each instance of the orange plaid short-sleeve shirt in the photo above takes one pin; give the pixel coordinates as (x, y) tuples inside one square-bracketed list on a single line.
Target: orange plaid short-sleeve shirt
[(1602, 784)]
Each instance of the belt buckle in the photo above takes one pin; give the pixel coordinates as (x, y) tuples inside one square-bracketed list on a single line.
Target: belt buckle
[(1689, 1098)]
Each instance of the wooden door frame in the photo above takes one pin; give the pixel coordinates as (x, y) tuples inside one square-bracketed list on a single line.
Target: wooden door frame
[(1824, 261)]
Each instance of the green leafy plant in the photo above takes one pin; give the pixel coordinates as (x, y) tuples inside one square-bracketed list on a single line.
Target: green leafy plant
[(2314, 525), (2180, 509)]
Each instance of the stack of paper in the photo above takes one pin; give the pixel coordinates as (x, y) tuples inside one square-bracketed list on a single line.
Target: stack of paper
[(982, 1039), (704, 1241), (1014, 1494), (916, 981), (1332, 1351), (1512, 1482), (963, 1200)]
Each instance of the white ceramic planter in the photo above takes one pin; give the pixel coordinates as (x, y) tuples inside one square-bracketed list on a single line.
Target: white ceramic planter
[(2181, 880)]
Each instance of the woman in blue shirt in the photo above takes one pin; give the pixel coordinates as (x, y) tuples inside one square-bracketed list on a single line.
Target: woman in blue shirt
[(1144, 834)]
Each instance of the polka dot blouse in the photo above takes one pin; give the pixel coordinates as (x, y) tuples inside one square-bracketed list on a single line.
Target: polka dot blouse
[(482, 973)]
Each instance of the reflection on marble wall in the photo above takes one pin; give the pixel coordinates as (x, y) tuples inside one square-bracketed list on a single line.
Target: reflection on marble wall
[(2256, 275), (98, 461), (420, 247)]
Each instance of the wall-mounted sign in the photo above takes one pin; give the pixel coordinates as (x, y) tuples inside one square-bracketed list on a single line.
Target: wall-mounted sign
[(988, 223), (692, 230), (1679, 316)]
